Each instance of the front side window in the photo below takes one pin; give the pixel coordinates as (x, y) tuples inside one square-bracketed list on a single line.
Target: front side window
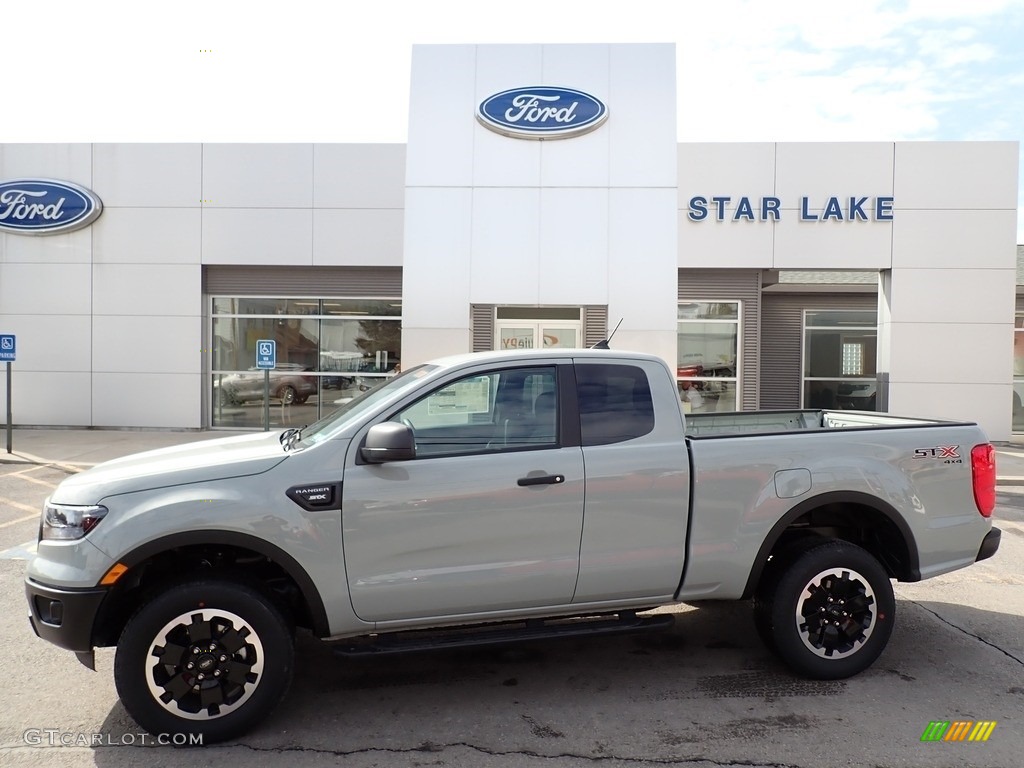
[(510, 409), (707, 355), (839, 359)]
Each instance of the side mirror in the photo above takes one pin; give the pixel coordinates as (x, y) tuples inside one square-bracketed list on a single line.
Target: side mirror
[(389, 441)]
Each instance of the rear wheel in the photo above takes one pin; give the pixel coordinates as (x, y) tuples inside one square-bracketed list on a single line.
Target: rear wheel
[(764, 596), (832, 611), (287, 395), (206, 657)]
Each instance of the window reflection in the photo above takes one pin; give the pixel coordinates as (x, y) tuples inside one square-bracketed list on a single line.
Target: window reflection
[(707, 352), (328, 351), (1018, 374), (840, 357)]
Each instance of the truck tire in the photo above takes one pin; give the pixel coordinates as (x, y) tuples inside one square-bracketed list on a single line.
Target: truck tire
[(763, 605), (764, 596), (832, 611), (210, 658)]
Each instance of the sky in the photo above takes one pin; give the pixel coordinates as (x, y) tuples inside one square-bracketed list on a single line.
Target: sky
[(338, 70)]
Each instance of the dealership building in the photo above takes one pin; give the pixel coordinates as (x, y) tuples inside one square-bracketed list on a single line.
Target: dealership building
[(542, 200)]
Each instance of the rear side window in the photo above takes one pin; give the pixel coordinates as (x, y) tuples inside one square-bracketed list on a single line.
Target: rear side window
[(615, 403)]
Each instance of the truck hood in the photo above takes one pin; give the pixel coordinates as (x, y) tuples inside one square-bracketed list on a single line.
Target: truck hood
[(197, 462)]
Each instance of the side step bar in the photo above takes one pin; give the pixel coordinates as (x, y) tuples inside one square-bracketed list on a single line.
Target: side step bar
[(627, 622)]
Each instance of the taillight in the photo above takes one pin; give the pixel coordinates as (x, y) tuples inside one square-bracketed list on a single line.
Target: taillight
[(983, 475)]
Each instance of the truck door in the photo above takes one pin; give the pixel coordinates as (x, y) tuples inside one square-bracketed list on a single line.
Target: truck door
[(489, 514), (638, 491)]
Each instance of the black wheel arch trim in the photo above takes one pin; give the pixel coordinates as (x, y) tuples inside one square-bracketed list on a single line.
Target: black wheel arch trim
[(317, 611), (823, 500)]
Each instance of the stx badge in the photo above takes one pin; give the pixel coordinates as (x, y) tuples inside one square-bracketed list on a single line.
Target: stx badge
[(939, 452)]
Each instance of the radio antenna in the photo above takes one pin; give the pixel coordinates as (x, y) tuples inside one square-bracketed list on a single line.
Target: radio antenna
[(603, 344)]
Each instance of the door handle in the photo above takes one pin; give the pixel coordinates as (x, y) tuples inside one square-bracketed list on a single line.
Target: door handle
[(541, 480)]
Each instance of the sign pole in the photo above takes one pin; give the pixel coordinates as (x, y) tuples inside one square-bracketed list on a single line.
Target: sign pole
[(10, 418), (8, 353), (266, 361), (266, 400)]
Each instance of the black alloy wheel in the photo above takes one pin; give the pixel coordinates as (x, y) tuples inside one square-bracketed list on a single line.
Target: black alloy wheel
[(832, 611), (207, 657)]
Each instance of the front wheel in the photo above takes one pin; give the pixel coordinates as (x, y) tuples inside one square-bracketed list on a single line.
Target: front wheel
[(210, 658), (832, 611)]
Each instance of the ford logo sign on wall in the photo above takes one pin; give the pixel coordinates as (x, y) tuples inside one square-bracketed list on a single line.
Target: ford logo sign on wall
[(542, 112), (46, 207)]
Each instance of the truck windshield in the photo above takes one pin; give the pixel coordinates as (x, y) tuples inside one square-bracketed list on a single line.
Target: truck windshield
[(322, 430)]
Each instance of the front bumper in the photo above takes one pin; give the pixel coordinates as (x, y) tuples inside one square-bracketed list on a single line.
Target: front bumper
[(989, 545), (64, 617)]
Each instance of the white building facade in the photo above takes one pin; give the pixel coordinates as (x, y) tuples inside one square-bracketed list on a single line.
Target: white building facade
[(357, 259)]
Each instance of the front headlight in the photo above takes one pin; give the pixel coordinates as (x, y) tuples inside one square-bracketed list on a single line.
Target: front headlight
[(65, 521)]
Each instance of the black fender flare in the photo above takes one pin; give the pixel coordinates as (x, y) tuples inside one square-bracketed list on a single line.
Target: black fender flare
[(317, 612), (826, 499)]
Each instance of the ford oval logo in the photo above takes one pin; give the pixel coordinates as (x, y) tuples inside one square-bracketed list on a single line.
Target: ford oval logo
[(46, 207), (542, 112)]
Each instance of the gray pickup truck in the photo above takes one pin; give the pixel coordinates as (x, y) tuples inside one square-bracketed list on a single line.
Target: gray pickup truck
[(498, 497)]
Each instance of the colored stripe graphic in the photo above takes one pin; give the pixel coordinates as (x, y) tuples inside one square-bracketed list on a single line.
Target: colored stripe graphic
[(983, 730), (935, 731), (959, 730)]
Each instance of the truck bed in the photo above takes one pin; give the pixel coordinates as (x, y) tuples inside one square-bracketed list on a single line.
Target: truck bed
[(769, 422)]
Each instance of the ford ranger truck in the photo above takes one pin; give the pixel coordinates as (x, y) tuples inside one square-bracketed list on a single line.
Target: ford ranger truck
[(509, 496)]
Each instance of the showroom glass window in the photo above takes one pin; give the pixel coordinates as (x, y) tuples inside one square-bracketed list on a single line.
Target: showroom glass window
[(707, 355), (328, 351), (1018, 373), (839, 359)]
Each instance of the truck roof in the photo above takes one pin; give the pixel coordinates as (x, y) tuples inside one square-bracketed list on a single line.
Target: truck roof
[(539, 354)]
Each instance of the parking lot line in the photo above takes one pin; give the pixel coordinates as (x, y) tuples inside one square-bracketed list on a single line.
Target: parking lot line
[(25, 519), (74, 467), (21, 552), (35, 480), (19, 505)]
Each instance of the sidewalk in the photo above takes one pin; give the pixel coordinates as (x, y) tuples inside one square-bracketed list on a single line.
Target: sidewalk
[(82, 448)]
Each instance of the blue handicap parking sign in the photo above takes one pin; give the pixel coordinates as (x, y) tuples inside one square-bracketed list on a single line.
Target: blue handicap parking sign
[(266, 354), (8, 347)]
